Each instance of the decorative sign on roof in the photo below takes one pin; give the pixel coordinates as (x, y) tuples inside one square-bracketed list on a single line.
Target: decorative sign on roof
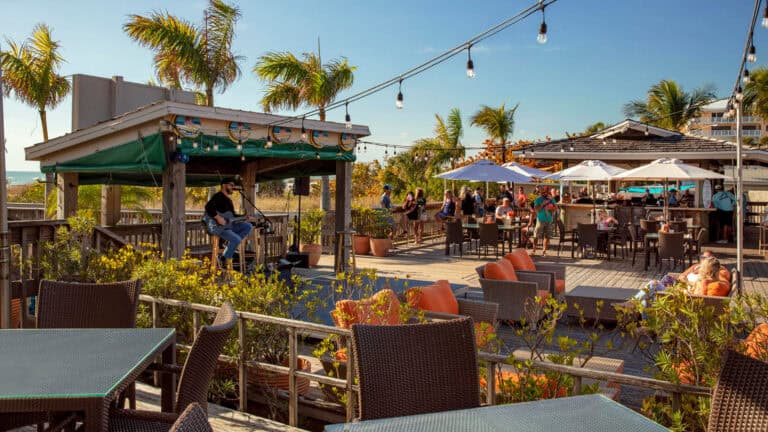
[(280, 134), (320, 139), (347, 141), (186, 126), (238, 131)]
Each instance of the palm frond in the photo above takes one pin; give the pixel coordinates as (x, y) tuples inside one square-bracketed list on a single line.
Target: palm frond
[(281, 95), (282, 66)]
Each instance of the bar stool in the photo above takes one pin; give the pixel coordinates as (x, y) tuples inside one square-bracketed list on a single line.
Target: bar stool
[(215, 253)]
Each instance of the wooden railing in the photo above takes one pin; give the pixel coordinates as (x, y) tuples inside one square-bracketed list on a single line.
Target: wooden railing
[(301, 328), (756, 211)]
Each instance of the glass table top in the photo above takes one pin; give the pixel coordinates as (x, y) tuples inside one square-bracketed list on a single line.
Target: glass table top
[(62, 363)]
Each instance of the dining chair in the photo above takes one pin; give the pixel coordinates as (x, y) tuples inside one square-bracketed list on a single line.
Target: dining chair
[(679, 226), (587, 234), (194, 377), (740, 396), (488, 236), (565, 236), (619, 239), (695, 246), (87, 305), (454, 235), (193, 419), (671, 246), (648, 226), (402, 369), (635, 243)]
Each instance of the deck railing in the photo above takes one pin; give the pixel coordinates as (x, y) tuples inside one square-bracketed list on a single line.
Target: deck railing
[(302, 328)]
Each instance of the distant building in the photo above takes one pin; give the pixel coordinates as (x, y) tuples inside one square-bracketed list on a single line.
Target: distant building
[(711, 123)]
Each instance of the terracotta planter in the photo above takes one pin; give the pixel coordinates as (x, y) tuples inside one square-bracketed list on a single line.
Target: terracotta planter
[(274, 380), (380, 247), (362, 244), (314, 251)]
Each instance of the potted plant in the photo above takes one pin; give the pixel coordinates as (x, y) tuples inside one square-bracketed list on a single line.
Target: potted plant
[(380, 229), (309, 234), (361, 223)]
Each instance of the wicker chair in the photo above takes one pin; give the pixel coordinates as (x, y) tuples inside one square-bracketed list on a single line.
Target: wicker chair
[(619, 239), (489, 236), (516, 299), (454, 235), (679, 226), (193, 419), (635, 242), (88, 305), (740, 397), (565, 237), (194, 378), (671, 246), (695, 247), (587, 237), (402, 369), (648, 226)]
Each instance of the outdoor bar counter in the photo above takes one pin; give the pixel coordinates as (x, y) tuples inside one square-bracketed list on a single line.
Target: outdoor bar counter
[(572, 214)]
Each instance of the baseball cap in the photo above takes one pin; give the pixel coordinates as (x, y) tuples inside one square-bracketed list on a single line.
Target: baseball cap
[(387, 187), (718, 187)]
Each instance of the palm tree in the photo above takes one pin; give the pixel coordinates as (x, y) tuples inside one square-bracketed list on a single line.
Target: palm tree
[(293, 82), (498, 123), (668, 106), (756, 93), (30, 72), (445, 147), (186, 53)]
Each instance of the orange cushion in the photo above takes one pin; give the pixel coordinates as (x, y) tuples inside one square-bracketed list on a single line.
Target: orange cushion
[(500, 270), (719, 289), (724, 275), (484, 334), (757, 342), (559, 286), (510, 382), (543, 295), (437, 297), (520, 260), (383, 308)]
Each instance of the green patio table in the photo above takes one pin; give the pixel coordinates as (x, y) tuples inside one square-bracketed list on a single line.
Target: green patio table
[(593, 413), (79, 370)]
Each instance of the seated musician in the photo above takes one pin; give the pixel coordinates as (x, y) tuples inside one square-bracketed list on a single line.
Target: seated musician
[(219, 215)]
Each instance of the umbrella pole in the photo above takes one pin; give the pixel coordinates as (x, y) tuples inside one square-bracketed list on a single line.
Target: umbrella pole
[(739, 202)]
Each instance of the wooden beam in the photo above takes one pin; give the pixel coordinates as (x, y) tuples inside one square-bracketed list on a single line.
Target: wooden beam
[(67, 188), (110, 205), (343, 210), (174, 185)]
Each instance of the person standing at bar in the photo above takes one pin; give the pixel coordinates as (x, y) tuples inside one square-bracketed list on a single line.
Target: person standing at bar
[(724, 203)]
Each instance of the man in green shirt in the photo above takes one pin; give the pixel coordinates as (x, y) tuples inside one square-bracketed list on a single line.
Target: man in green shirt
[(545, 208)]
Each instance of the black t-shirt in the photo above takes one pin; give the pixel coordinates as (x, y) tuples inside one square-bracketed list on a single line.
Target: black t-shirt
[(468, 204), (219, 203)]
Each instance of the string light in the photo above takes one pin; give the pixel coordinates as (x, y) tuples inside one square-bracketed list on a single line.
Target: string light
[(752, 56), (178, 140), (317, 155), (347, 118), (739, 94), (216, 146), (542, 37), (242, 157), (194, 144), (765, 17), (647, 132), (303, 131), (562, 149), (239, 146), (571, 148), (269, 140), (470, 63), (399, 101), (746, 76)]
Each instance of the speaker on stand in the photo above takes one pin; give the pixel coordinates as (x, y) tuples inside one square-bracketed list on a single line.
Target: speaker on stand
[(300, 188)]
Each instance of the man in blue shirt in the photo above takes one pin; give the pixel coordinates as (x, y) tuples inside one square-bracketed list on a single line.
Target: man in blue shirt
[(545, 209), (673, 201), (386, 201), (724, 203)]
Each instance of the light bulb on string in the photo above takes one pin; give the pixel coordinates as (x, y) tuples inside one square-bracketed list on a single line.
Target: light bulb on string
[(765, 17), (215, 146), (399, 100), (746, 78), (752, 56), (470, 63), (242, 157), (542, 37), (303, 130), (739, 94), (269, 140), (571, 148), (239, 146), (194, 144), (178, 140), (647, 132), (317, 155), (347, 118)]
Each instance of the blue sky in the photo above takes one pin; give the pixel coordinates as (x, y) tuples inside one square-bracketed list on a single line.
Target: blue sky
[(600, 54)]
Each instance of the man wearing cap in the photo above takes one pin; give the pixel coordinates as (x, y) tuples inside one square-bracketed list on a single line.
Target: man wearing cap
[(724, 203), (386, 201), (545, 217), (219, 217)]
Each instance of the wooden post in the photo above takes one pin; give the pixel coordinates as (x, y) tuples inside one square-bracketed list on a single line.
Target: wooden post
[(110, 205), (248, 174), (67, 187), (343, 210), (174, 185)]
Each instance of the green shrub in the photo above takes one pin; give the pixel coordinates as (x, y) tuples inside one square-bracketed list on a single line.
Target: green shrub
[(311, 226)]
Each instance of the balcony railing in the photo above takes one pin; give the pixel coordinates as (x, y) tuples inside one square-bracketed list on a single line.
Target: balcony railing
[(727, 132), (725, 120)]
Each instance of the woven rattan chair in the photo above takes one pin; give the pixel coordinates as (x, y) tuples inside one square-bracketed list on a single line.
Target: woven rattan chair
[(415, 369), (671, 246), (648, 226), (565, 236), (679, 226), (454, 235), (194, 380), (88, 305), (489, 236), (740, 397), (193, 419), (587, 237), (636, 243), (516, 299)]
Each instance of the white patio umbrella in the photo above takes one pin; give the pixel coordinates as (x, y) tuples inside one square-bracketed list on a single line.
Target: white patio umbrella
[(484, 171), (590, 171), (530, 172), (666, 169)]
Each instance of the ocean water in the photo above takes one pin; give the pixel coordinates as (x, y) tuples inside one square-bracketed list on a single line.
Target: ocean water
[(23, 177)]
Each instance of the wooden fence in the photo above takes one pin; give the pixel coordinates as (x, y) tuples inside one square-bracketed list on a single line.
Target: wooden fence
[(295, 329)]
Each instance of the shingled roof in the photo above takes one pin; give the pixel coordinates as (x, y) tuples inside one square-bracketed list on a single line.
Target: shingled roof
[(632, 140)]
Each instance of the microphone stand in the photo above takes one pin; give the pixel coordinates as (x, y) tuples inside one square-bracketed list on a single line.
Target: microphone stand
[(266, 226)]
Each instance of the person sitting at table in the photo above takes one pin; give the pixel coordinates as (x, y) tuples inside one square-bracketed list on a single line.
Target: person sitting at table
[(467, 203), (605, 221), (710, 282), (503, 210), (673, 200), (687, 198), (691, 274), (648, 198), (447, 210)]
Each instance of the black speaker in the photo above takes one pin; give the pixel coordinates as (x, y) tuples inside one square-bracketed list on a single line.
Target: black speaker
[(301, 258), (301, 186)]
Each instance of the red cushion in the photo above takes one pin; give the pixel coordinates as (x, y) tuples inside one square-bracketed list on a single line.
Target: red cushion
[(500, 270), (383, 308), (520, 260), (437, 297), (559, 286)]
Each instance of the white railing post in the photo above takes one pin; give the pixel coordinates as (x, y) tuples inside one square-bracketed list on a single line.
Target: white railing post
[(293, 402), (242, 367)]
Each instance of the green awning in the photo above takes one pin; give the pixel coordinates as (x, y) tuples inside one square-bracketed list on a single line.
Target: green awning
[(146, 155)]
